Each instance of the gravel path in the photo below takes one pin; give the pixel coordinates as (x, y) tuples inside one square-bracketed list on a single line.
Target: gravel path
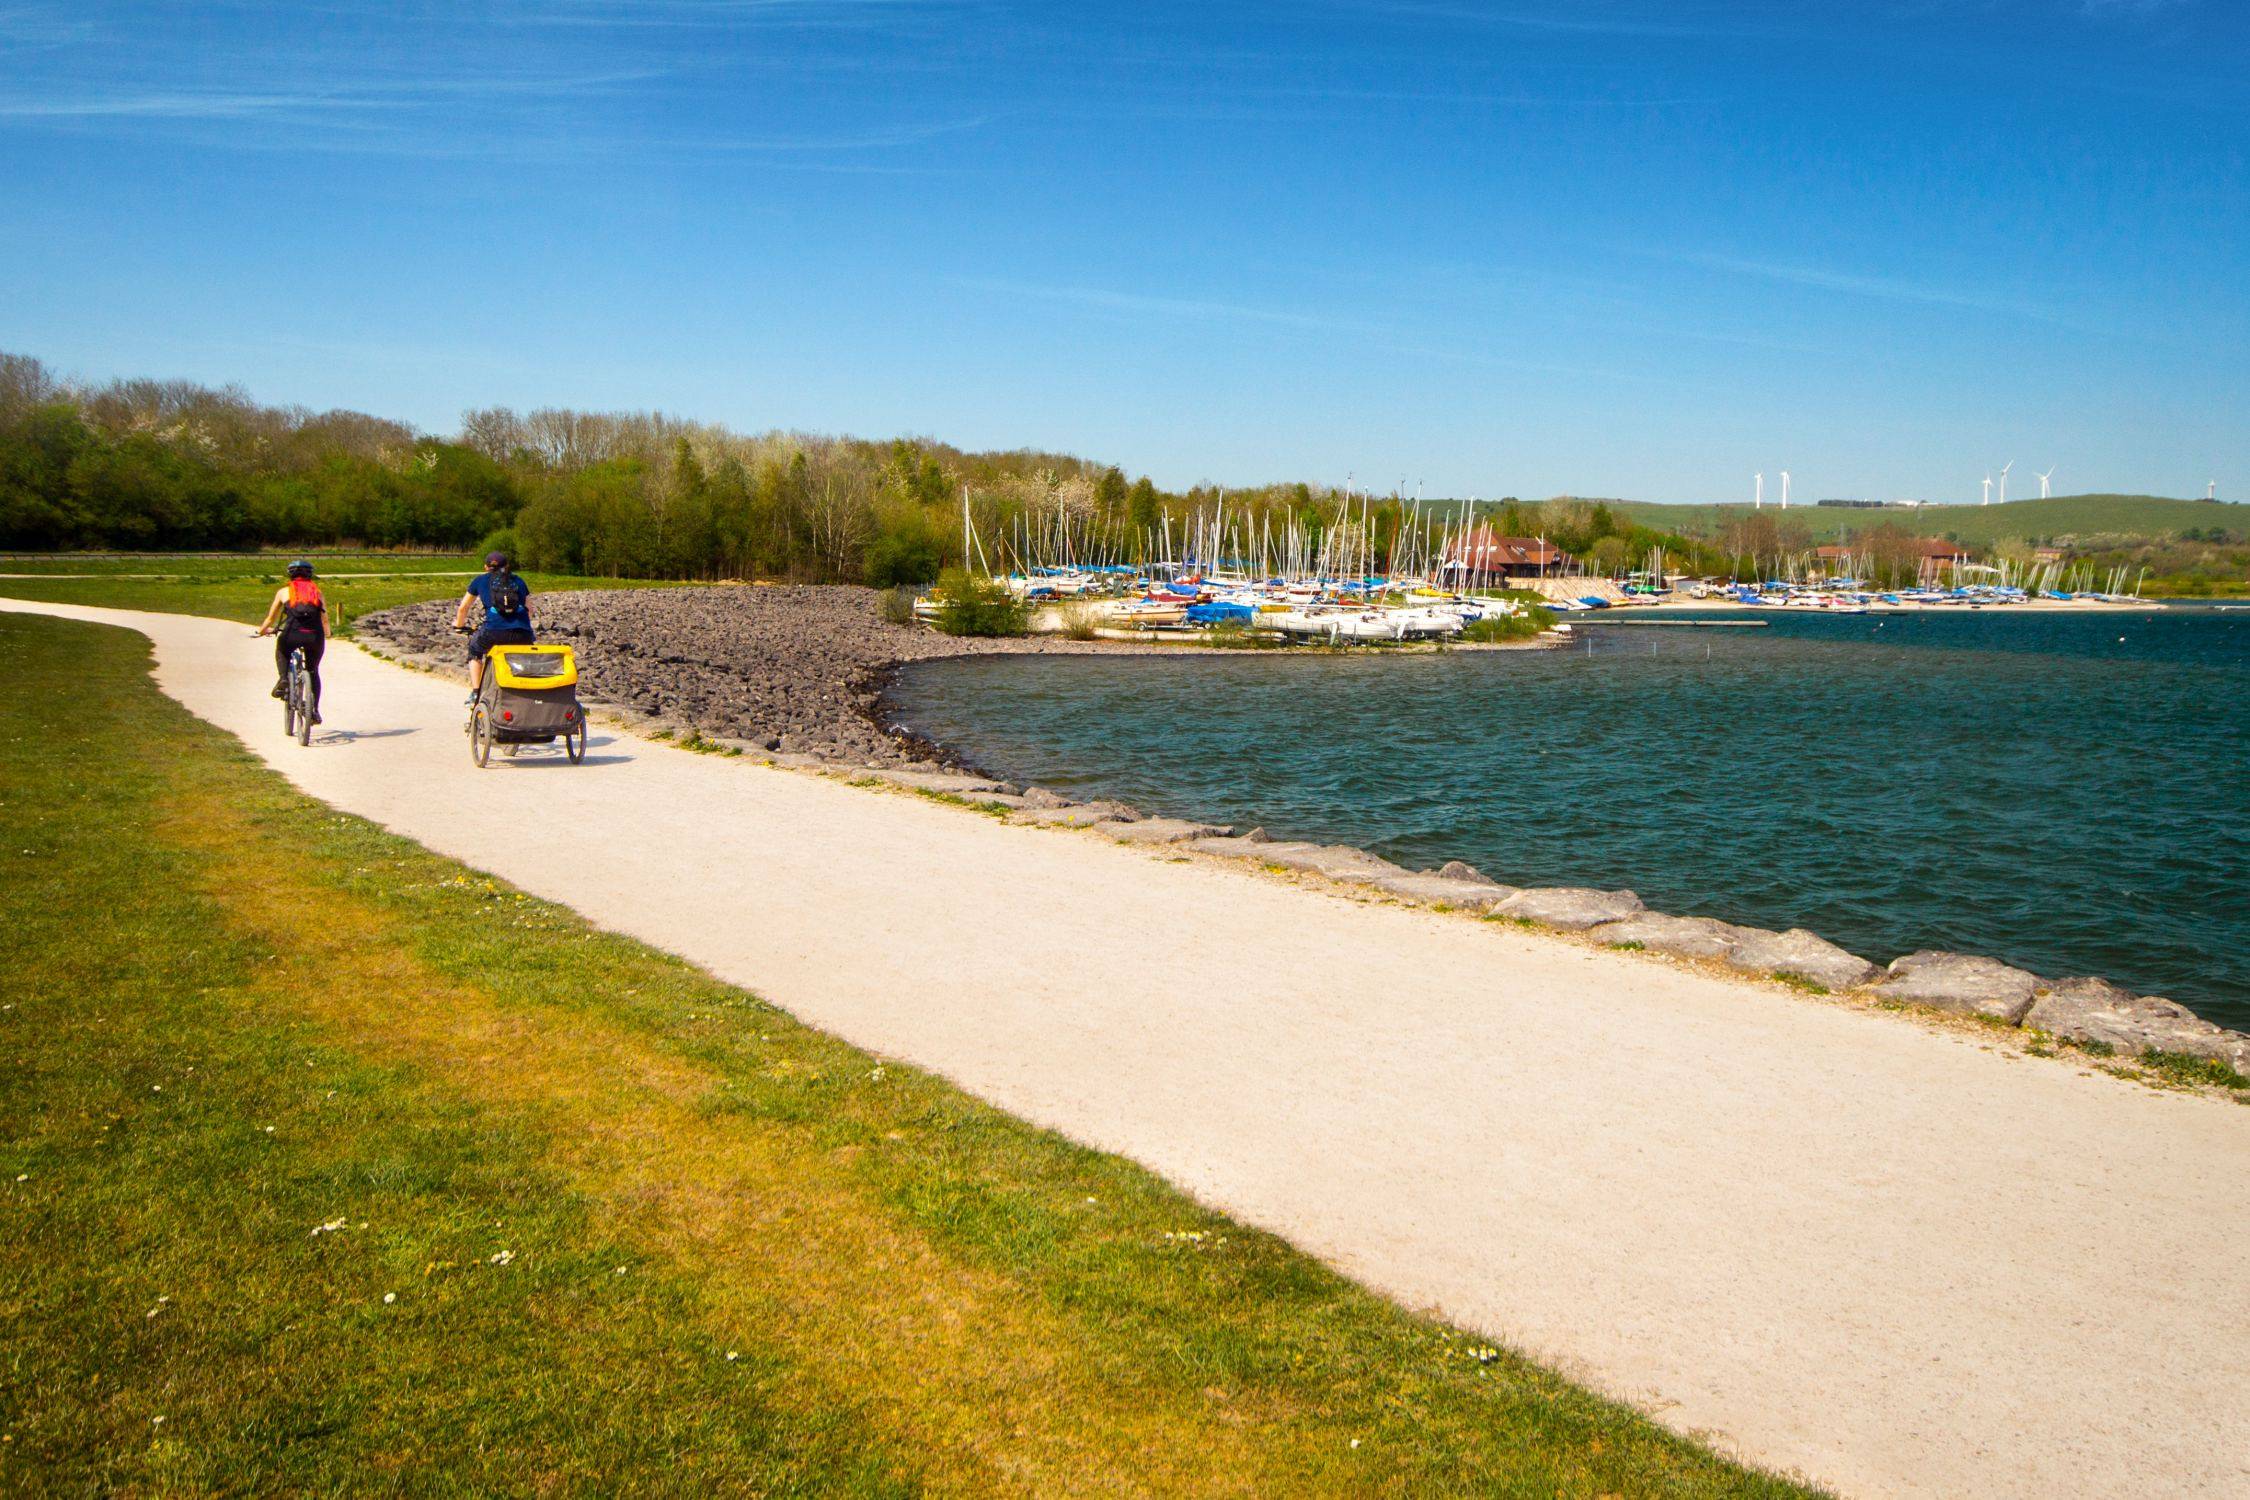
[(794, 669), (1828, 1240)]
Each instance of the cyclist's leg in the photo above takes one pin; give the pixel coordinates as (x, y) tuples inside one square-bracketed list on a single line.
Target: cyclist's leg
[(314, 645), (280, 662)]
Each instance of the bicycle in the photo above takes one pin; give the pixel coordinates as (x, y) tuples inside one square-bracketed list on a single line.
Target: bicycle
[(296, 699), (296, 696)]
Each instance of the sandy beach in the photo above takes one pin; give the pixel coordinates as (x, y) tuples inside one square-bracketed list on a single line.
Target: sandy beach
[(1893, 1258)]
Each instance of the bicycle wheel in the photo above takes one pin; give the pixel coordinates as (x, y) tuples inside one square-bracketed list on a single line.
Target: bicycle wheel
[(480, 734), (301, 692), (289, 698)]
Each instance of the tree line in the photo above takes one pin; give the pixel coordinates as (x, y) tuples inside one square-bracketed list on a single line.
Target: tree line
[(167, 464)]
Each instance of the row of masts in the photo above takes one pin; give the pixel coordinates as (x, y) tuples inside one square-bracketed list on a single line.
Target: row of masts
[(1242, 540)]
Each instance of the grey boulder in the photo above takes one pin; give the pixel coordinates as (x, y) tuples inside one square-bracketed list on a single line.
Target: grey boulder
[(1077, 814), (1157, 831), (1454, 869), (1443, 890), (2094, 1010), (1963, 982), (1691, 937), (1570, 906), (1807, 955), (1335, 861)]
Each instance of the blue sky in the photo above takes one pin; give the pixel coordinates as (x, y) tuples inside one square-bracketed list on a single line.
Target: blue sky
[(1614, 247)]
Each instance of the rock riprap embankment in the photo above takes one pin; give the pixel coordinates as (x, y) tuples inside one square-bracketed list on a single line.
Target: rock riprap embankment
[(794, 670)]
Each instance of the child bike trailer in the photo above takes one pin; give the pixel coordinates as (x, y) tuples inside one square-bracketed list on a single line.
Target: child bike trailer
[(530, 697)]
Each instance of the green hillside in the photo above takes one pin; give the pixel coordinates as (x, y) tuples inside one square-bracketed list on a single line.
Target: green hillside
[(2080, 516)]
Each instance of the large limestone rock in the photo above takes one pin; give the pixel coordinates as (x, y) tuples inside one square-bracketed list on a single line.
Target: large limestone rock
[(1046, 797), (1335, 861), (1444, 890), (2094, 1010), (1570, 906), (1158, 831), (1077, 815), (1963, 982), (1691, 937), (1806, 954)]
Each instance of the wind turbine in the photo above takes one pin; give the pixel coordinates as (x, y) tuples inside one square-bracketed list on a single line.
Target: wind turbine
[(2043, 482), (2004, 468), (1987, 489), (2211, 490), (1759, 503), (1784, 489)]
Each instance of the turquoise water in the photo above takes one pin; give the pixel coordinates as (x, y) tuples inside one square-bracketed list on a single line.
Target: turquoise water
[(2069, 793)]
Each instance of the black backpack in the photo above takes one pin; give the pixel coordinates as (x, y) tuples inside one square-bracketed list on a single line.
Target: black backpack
[(508, 593)]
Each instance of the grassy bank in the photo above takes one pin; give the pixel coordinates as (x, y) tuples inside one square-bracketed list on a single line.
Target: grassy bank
[(240, 586), (328, 1163)]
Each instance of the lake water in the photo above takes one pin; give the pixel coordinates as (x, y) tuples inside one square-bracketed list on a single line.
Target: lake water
[(2066, 792)]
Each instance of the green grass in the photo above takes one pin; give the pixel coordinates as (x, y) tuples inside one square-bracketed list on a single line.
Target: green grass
[(1797, 981), (2186, 1068), (602, 1221), (240, 587)]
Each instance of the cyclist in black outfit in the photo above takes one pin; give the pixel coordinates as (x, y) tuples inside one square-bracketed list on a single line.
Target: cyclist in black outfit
[(303, 618)]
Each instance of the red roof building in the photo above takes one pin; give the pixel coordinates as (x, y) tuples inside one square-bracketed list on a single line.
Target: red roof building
[(1481, 555)]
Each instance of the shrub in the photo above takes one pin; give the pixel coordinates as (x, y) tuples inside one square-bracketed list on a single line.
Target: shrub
[(979, 606), (1081, 619), (898, 606), (503, 540), (1516, 627)]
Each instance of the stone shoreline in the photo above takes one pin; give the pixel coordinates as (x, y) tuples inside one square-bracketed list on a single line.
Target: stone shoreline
[(796, 676)]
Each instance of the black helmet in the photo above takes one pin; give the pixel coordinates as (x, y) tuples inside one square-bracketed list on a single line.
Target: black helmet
[(494, 560), (300, 569)]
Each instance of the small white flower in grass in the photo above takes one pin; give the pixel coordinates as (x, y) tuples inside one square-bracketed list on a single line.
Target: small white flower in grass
[(330, 1227), (502, 1257), (23, 1177), (1355, 1442), (1093, 1200), (156, 1421), (269, 1130), (389, 1297), (620, 1270), (877, 1075)]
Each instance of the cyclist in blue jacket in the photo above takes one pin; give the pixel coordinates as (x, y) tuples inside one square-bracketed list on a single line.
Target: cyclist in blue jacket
[(505, 602)]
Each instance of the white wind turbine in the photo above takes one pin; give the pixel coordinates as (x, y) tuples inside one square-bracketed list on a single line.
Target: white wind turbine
[(2043, 483), (2004, 468), (1987, 489), (1784, 489), (1758, 502)]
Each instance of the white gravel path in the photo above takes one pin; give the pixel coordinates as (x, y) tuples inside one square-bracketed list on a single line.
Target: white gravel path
[(1831, 1241)]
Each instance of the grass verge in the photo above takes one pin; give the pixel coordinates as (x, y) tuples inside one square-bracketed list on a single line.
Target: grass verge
[(239, 588), (327, 1163)]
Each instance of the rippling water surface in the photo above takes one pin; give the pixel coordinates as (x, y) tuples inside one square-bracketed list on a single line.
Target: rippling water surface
[(2068, 793)]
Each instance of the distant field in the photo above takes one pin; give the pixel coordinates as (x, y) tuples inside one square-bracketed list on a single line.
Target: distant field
[(239, 586), (233, 564), (2063, 515)]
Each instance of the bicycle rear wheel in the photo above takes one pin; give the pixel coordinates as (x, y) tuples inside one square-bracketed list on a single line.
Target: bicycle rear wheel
[(480, 734), (289, 698)]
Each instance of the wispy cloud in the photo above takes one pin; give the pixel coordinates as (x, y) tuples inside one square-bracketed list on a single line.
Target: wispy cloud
[(1190, 309), (645, 15), (1657, 23), (1858, 284), (235, 104)]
